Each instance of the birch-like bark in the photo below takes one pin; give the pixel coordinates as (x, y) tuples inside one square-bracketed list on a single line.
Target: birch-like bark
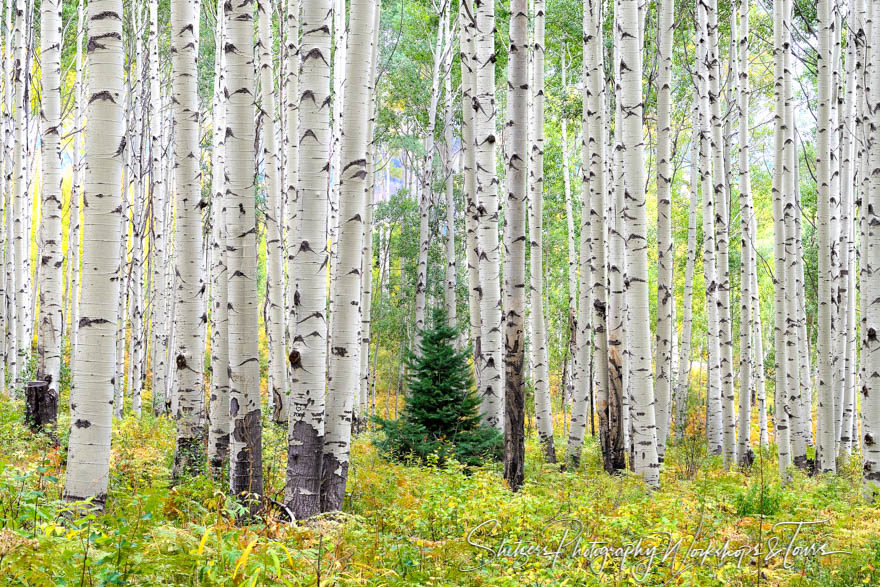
[(449, 297), (344, 368), (245, 443), (218, 425), (49, 348), (740, 63), (684, 357), (467, 59), (570, 382), (514, 247), (665, 258), (714, 421), (871, 310), (76, 188), (780, 409), (291, 90), (426, 191), (189, 456), (20, 244), (487, 208), (308, 359), (91, 404), (540, 360), (274, 301), (720, 197), (630, 97), (825, 413)]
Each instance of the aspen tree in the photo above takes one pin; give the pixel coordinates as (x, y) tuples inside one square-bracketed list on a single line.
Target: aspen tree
[(467, 60), (274, 304), (91, 403), (76, 188), (632, 157), (665, 260), (218, 428), (308, 358), (485, 113), (245, 443), (514, 248), (344, 369), (189, 457), (870, 401), (21, 246), (448, 172), (741, 71), (291, 90), (825, 414), (50, 225), (543, 413)]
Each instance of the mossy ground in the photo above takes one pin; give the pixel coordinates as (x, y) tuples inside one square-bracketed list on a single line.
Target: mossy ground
[(408, 525)]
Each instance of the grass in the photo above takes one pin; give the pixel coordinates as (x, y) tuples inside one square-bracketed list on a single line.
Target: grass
[(408, 525)]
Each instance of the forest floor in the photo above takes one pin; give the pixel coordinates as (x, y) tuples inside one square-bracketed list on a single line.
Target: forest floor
[(409, 525)]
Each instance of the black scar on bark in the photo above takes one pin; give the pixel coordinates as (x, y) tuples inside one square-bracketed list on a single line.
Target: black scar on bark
[(304, 463), (181, 362), (82, 423)]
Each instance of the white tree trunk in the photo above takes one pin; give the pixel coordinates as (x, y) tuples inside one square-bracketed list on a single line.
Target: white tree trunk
[(344, 368), (278, 391), (91, 405), (780, 409), (49, 368), (540, 360), (449, 297), (245, 443), (74, 233), (218, 425), (291, 90), (744, 451), (466, 27), (485, 139), (309, 355), (665, 250), (630, 97), (21, 244), (825, 414)]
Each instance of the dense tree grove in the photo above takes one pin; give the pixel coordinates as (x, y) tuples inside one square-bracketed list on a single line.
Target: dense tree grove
[(647, 222)]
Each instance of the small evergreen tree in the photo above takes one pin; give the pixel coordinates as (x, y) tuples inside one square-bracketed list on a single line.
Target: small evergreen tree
[(441, 416)]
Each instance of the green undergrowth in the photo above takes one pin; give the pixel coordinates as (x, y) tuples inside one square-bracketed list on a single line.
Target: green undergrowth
[(422, 525)]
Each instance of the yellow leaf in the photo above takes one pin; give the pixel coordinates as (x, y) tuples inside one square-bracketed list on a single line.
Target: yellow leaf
[(244, 557), (203, 541)]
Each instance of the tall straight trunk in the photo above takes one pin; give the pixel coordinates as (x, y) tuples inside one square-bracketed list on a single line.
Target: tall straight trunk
[(274, 301), (218, 426), (308, 359), (158, 205), (291, 90), (7, 300), (846, 247), (632, 157), (466, 28), (720, 197), (367, 254), (684, 357), (344, 369), (91, 403), (49, 368), (540, 362), (514, 248), (426, 191), (871, 310), (189, 456), (21, 247), (825, 414), (449, 297), (485, 113), (665, 258), (744, 451), (780, 409), (714, 421), (570, 382), (245, 443), (136, 352), (339, 86), (76, 188)]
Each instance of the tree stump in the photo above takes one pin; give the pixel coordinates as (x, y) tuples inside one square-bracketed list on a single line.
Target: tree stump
[(41, 406)]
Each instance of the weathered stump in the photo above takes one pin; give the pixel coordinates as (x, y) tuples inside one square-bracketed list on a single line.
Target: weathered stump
[(41, 406)]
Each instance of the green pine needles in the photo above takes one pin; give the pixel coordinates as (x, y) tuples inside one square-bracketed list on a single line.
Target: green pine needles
[(441, 418)]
